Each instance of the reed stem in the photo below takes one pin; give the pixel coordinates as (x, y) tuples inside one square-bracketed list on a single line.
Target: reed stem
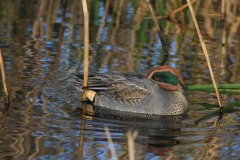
[(4, 78), (205, 53), (173, 12), (161, 35), (86, 49), (177, 10), (85, 79)]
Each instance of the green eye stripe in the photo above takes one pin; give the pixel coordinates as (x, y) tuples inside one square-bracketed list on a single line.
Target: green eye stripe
[(165, 77)]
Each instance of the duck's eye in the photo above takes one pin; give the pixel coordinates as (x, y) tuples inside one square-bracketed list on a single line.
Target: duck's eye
[(165, 77)]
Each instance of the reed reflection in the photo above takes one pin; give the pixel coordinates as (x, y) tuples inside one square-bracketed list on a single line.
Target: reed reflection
[(41, 124), (161, 131)]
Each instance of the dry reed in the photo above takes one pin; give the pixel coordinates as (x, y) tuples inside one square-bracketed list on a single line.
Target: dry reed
[(177, 10), (6, 92), (85, 80), (160, 34), (4, 78), (86, 49), (205, 53), (173, 12)]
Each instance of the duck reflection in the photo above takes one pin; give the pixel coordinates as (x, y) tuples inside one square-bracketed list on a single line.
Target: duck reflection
[(157, 132)]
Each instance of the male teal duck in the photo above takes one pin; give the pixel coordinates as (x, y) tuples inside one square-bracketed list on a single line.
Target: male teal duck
[(158, 92)]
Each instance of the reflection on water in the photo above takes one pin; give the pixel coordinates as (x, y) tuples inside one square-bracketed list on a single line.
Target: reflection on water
[(42, 40), (159, 135)]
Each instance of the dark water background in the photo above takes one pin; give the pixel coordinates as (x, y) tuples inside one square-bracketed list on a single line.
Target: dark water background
[(41, 40)]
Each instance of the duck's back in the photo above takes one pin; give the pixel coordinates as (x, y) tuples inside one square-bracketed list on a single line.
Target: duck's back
[(132, 92)]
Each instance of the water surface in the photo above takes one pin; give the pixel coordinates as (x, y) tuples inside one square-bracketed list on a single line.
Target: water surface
[(41, 41)]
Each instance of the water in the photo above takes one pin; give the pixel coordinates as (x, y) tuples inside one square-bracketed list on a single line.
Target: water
[(44, 118)]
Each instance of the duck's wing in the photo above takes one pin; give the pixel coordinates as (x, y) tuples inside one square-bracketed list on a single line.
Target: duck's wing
[(125, 86)]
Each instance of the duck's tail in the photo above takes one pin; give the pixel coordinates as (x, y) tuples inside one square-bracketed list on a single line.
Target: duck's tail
[(78, 84)]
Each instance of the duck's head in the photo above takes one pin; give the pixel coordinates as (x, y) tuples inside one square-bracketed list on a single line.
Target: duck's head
[(167, 77)]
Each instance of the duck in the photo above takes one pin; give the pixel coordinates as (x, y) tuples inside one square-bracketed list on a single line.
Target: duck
[(158, 92)]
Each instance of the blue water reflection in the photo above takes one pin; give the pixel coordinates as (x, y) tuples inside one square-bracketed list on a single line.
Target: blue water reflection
[(41, 42)]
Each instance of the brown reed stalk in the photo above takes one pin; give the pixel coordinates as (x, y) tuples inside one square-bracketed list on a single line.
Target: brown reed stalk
[(205, 53), (86, 49), (177, 10), (131, 145), (85, 79), (6, 92), (160, 34), (4, 78), (173, 12), (110, 142)]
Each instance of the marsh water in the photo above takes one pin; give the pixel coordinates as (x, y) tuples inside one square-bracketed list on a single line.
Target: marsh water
[(41, 40)]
